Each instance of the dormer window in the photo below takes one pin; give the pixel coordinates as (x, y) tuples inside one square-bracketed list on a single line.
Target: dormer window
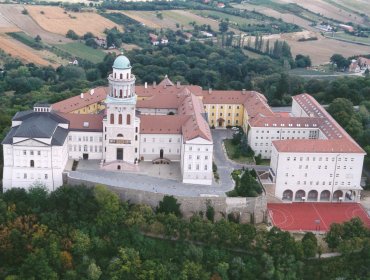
[(86, 124)]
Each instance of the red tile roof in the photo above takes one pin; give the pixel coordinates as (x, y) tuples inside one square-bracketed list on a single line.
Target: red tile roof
[(84, 122), (316, 146), (162, 124), (77, 102), (338, 140)]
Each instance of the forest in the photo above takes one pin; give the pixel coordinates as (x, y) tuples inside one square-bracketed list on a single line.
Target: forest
[(89, 233)]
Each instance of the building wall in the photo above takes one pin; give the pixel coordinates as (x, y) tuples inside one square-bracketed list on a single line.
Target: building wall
[(90, 109), (152, 144), (317, 172), (83, 142), (231, 113), (48, 164), (260, 138), (197, 162), (147, 111)]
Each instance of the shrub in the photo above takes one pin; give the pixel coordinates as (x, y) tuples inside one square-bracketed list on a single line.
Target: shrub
[(169, 205)]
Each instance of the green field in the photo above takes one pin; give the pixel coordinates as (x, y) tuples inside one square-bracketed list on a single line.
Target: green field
[(234, 20), (27, 40), (80, 50), (349, 37)]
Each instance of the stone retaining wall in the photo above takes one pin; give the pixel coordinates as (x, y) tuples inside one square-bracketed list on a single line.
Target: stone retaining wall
[(250, 209)]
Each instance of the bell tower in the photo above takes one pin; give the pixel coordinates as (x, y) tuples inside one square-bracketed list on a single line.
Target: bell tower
[(121, 126)]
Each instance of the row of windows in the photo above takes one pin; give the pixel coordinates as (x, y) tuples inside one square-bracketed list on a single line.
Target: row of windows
[(289, 131), (161, 140), (31, 163), (30, 153), (323, 183), (85, 148), (33, 176), (197, 157), (220, 114), (76, 138), (221, 107), (197, 167), (168, 150), (128, 119), (190, 148), (228, 121), (319, 159)]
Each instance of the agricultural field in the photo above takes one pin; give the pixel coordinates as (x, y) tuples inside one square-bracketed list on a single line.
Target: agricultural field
[(356, 6), (78, 49), (12, 15), (23, 52), (56, 20), (170, 19), (328, 10), (322, 49), (285, 16)]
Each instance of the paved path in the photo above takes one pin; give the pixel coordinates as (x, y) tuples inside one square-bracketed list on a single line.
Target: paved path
[(168, 186)]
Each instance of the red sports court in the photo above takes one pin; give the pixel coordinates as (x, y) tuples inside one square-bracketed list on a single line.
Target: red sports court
[(308, 216)]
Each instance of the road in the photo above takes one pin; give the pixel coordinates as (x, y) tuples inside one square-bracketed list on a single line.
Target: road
[(168, 186)]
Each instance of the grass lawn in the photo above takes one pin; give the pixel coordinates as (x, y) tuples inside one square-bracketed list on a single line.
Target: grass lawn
[(222, 16), (27, 40), (230, 150), (80, 50)]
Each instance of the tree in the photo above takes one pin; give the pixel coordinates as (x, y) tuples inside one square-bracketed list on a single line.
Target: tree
[(309, 245), (334, 235), (72, 35), (339, 61), (37, 39), (341, 109), (223, 26), (169, 205), (210, 211), (126, 266)]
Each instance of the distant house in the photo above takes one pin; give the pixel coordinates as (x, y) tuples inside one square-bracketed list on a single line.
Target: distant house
[(156, 40), (207, 34), (188, 36), (363, 63), (325, 27), (220, 5), (74, 62), (347, 27), (354, 67), (100, 42)]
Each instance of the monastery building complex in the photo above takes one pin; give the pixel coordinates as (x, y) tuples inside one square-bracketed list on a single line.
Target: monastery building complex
[(312, 157)]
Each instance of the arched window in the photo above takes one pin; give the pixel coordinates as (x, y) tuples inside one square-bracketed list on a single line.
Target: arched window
[(127, 76), (32, 163), (121, 76), (120, 93), (111, 118), (128, 119), (115, 76), (120, 119), (119, 135), (135, 137), (115, 92)]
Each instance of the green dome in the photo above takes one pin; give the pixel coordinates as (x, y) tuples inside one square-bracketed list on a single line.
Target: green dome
[(121, 62)]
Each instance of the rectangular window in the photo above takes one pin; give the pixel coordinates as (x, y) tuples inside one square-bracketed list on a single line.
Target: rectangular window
[(206, 167), (189, 167), (25, 176), (24, 153), (197, 166), (46, 176)]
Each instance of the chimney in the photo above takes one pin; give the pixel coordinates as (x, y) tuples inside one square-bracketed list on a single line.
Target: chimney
[(243, 91), (82, 95), (92, 91), (178, 84), (210, 91), (146, 85), (154, 84)]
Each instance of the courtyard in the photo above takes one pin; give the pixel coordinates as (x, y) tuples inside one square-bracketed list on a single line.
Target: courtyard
[(165, 178)]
